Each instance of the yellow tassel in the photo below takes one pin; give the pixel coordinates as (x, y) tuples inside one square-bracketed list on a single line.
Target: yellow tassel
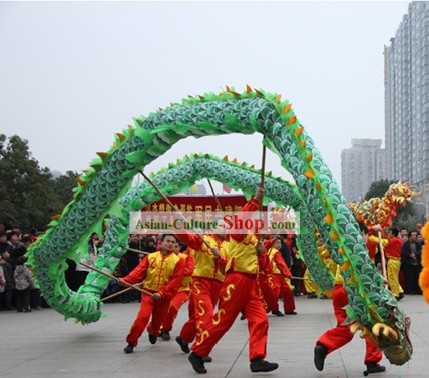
[(103, 155), (80, 181), (334, 235), (286, 108), (299, 130), (329, 219), (291, 120), (309, 173), (120, 136)]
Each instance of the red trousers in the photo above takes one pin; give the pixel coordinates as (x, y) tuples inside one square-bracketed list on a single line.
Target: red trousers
[(239, 293), (158, 309), (202, 301), (340, 335), (268, 285), (283, 289), (179, 299)]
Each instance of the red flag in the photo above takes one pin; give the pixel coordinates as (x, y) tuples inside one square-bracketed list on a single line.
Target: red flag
[(226, 188)]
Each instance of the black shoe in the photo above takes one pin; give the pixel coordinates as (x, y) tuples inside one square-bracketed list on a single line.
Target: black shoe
[(152, 339), (183, 344), (165, 335), (261, 365), (400, 296), (242, 317), (312, 295), (277, 313), (129, 348), (373, 367), (320, 353), (207, 359), (197, 363), (291, 313)]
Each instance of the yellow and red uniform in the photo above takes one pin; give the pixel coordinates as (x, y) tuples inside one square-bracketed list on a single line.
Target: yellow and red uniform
[(340, 335), (207, 278), (162, 274), (182, 294), (392, 250), (239, 293), (280, 273), (393, 254)]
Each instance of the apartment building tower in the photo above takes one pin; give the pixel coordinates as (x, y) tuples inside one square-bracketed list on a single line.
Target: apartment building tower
[(406, 78), (361, 165)]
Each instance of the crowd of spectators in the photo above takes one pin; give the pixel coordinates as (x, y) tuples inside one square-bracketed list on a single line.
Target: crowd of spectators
[(18, 289)]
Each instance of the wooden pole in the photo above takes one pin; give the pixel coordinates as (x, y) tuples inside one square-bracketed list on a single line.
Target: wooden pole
[(116, 294), (214, 195), (299, 278), (114, 278), (383, 258), (262, 184), (264, 155), (138, 251)]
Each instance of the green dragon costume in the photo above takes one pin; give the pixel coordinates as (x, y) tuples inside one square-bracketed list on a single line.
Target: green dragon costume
[(104, 193)]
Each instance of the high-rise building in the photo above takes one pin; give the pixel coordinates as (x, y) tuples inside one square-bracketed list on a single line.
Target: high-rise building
[(361, 165), (406, 77)]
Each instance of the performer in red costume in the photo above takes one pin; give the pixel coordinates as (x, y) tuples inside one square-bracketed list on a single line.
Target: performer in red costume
[(162, 272), (239, 293), (207, 278), (280, 273), (392, 249), (182, 294), (340, 335), (268, 288)]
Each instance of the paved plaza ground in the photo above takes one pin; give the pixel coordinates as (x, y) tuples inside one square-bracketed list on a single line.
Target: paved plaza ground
[(42, 345)]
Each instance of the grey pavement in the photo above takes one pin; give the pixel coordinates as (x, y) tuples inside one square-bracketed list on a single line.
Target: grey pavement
[(41, 344)]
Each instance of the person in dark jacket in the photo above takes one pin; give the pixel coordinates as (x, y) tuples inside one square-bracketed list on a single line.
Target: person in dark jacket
[(411, 255)]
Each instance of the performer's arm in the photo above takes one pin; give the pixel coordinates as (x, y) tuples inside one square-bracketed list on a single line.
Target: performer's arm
[(192, 240), (278, 259), (189, 265), (264, 263), (374, 239)]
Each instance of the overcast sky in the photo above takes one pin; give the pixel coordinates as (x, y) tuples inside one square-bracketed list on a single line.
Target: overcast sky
[(73, 73)]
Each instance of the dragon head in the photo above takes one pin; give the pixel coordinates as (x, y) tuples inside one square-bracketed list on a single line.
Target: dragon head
[(391, 337)]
